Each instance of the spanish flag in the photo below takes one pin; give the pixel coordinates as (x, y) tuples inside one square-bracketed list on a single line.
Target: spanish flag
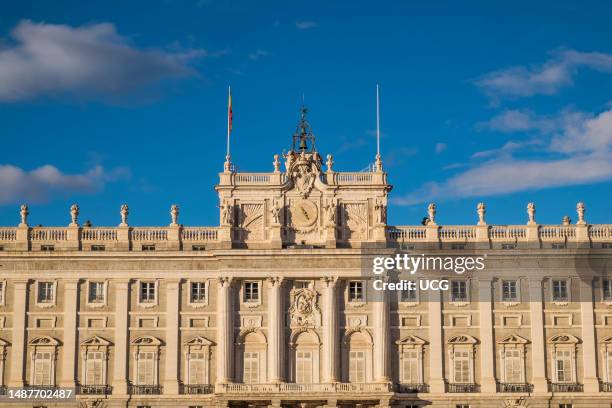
[(229, 111)]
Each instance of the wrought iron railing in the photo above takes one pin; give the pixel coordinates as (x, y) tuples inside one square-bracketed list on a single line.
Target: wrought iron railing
[(565, 387), (462, 388), (514, 387), (94, 389), (412, 388), (198, 389), (605, 387), (146, 389)]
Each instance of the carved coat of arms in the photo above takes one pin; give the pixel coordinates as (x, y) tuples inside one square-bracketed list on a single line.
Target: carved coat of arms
[(304, 311)]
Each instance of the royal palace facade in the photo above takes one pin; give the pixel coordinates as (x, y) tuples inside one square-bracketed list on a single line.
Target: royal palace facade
[(273, 307)]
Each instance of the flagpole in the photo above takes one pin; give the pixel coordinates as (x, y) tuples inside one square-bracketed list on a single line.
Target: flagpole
[(229, 106), (377, 124)]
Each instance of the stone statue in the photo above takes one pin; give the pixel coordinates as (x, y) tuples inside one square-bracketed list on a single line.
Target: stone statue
[(431, 211), (226, 213), (24, 212), (330, 163), (174, 212), (276, 209), (381, 212), (125, 211), (481, 210), (74, 215), (276, 164), (580, 210), (531, 209), (330, 213), (566, 220)]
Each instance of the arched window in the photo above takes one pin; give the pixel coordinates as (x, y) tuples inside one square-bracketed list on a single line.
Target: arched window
[(305, 346), (251, 349), (358, 352), (43, 353)]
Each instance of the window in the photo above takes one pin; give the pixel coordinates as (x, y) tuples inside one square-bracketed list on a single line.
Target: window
[(98, 248), (356, 291), (96, 292), (2, 293), (462, 406), (609, 365), (459, 291), (509, 291), (197, 368), (301, 284), (559, 291), (45, 292), (94, 368), (558, 245), (146, 368), (198, 292), (303, 367), (565, 405), (508, 246), (410, 367), (563, 365), (408, 295), (513, 366), (198, 248), (357, 366), (461, 366), (47, 248), (147, 292), (42, 369), (251, 291), (251, 368), (607, 290)]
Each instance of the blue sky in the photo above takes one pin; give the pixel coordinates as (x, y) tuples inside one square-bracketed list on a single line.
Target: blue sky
[(104, 103)]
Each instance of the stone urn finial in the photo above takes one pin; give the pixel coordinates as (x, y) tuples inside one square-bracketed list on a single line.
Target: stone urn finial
[(125, 211), (481, 209), (580, 209), (431, 211), (531, 209), (74, 215), (330, 163), (174, 213), (566, 220), (276, 163), (24, 212)]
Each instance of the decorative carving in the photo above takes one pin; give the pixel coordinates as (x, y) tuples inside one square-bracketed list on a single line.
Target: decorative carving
[(24, 212), (304, 180), (125, 211), (518, 402), (252, 321), (580, 209), (276, 210), (531, 209), (431, 212), (251, 221), (330, 163), (74, 215), (276, 163), (174, 213), (97, 403), (303, 169), (357, 321), (356, 215), (226, 213), (304, 215), (304, 309), (381, 212), (481, 210), (330, 213)]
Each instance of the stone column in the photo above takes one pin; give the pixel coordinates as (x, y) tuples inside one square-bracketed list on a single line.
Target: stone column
[(225, 331), (69, 349), (380, 326), (538, 343), (18, 346), (173, 307), (589, 349), (275, 330), (487, 339), (122, 337), (436, 353), (330, 329)]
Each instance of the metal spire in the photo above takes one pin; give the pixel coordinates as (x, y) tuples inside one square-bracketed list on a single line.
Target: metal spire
[(303, 133)]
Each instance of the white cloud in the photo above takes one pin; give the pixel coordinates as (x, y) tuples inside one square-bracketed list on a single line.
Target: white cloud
[(547, 78), (579, 151), (39, 185), (257, 54), (440, 147), (93, 60), (305, 25)]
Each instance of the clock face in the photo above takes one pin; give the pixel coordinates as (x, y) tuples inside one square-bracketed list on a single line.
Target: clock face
[(303, 213)]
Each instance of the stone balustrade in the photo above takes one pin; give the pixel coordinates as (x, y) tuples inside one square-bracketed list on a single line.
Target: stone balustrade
[(293, 388)]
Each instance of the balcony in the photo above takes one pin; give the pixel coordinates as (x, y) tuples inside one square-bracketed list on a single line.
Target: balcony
[(605, 387), (411, 388), (145, 389), (565, 387), (462, 388), (514, 387), (94, 390), (294, 388), (198, 389)]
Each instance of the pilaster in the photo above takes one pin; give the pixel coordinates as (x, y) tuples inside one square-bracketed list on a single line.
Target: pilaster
[(487, 365), (538, 352), (224, 331), (436, 355), (18, 346), (69, 349), (122, 302), (381, 336), (275, 330), (173, 305), (589, 349), (330, 322)]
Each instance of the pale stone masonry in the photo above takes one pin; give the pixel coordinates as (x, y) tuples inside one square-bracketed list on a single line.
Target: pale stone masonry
[(273, 307)]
